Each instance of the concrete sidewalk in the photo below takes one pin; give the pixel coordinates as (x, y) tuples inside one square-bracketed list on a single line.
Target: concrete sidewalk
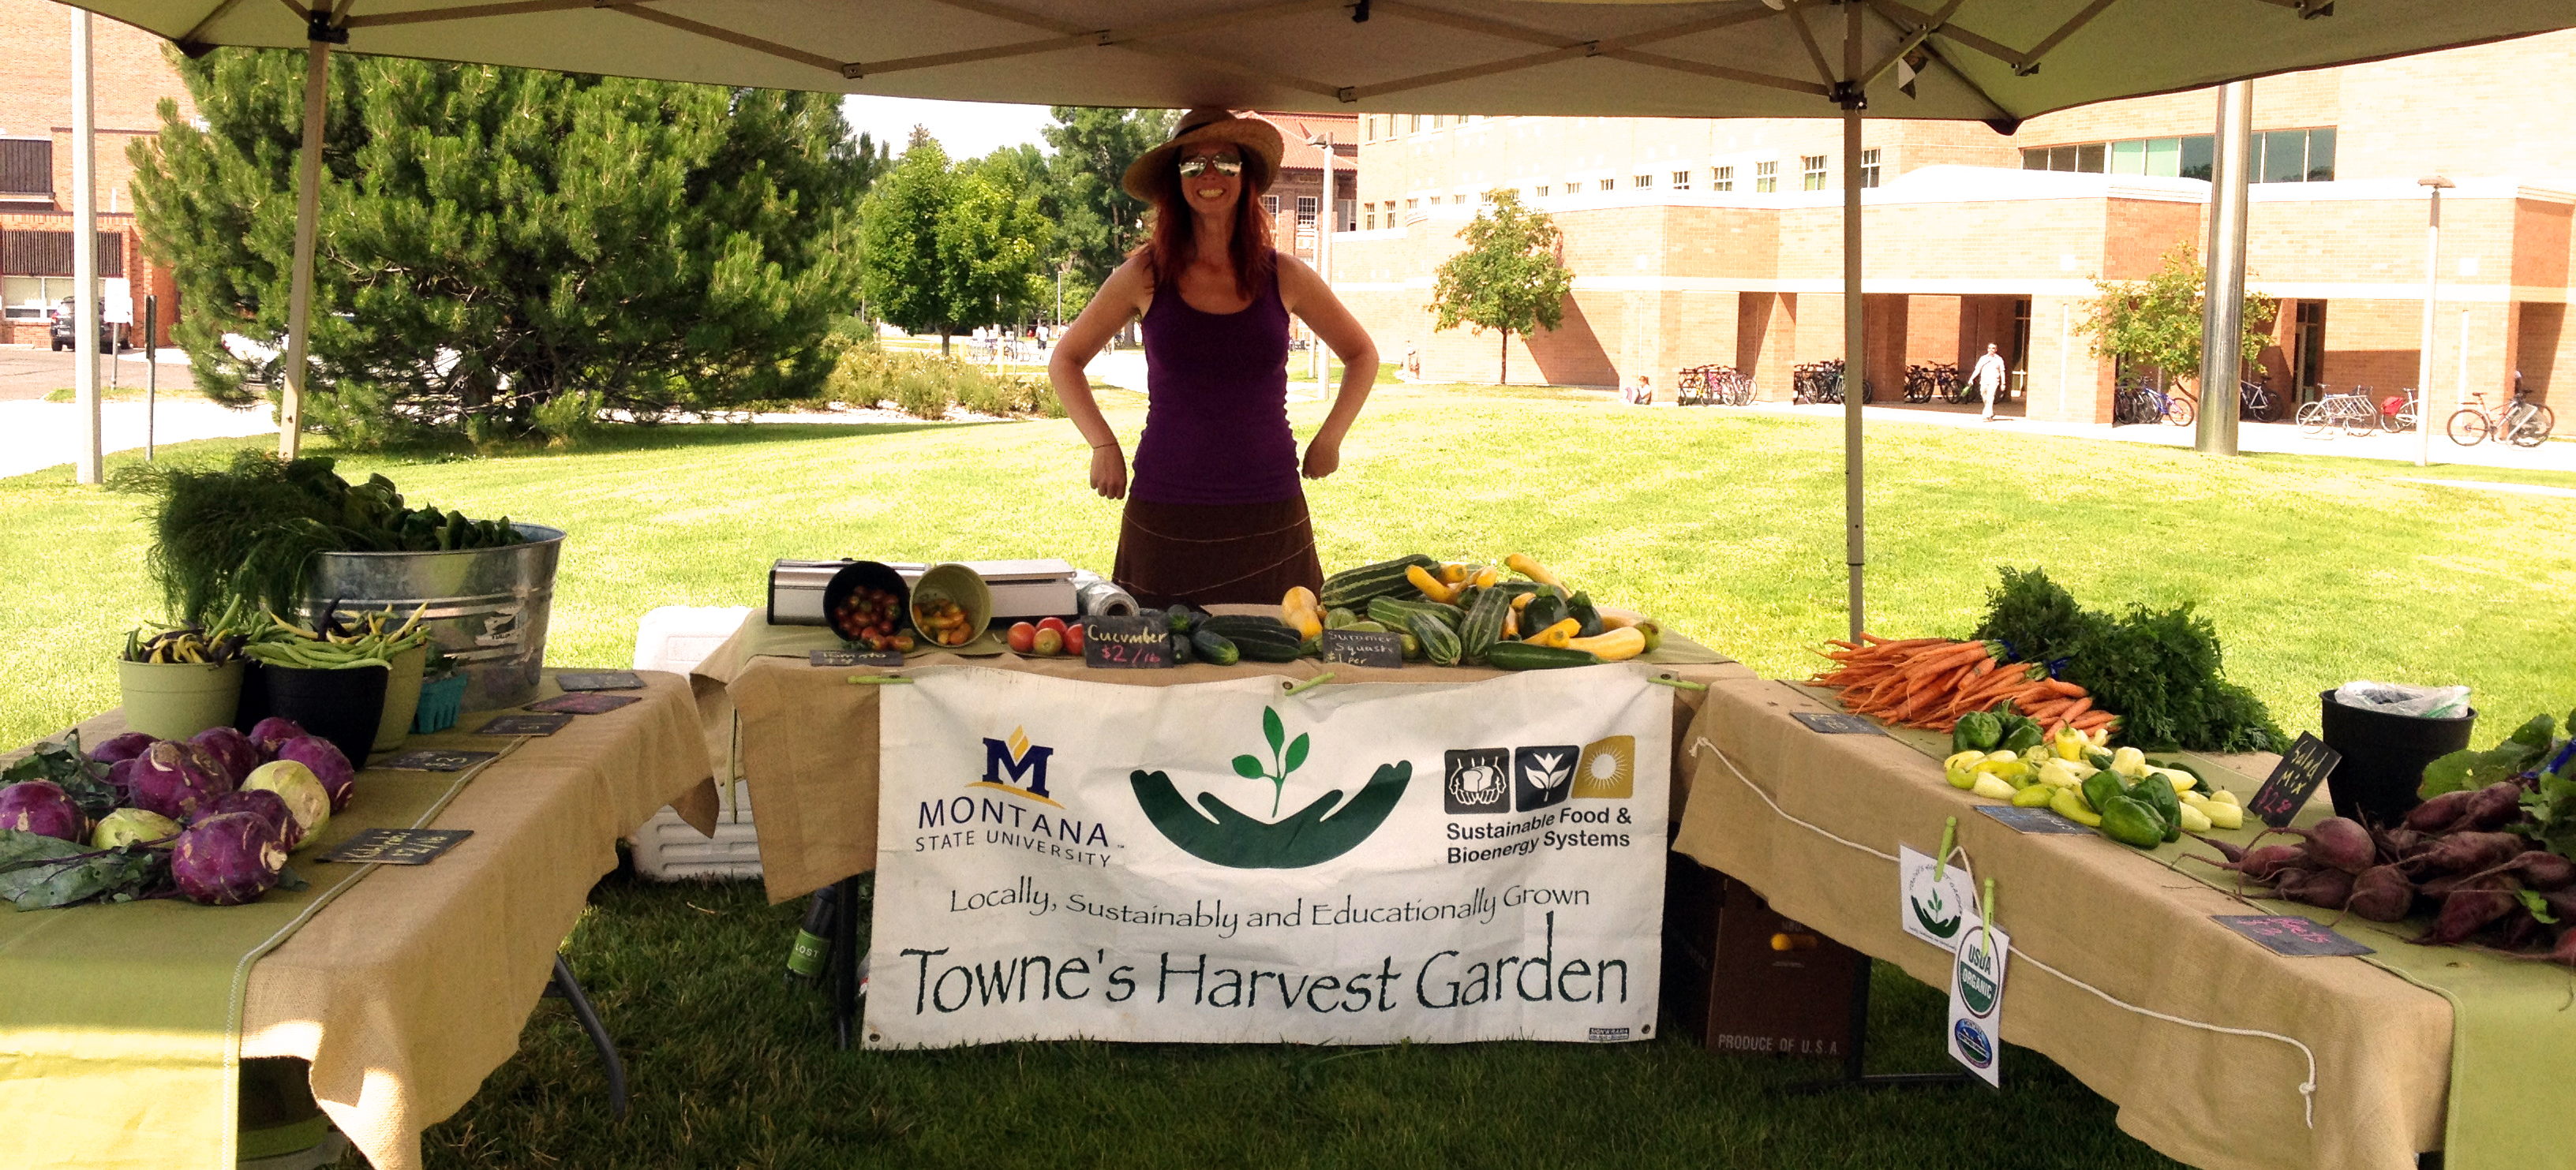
[(35, 435), (2280, 438)]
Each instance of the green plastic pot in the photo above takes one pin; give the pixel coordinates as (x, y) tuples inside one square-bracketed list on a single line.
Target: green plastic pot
[(402, 697), (175, 700)]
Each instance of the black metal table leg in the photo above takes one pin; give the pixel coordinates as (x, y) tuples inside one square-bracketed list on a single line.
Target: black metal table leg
[(845, 959), (567, 988), (1854, 1052)]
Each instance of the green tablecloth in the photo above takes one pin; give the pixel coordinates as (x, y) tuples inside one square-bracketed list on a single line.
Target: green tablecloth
[(120, 1033), (2513, 1020)]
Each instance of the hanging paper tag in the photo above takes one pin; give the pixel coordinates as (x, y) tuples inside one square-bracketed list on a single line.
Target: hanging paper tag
[(1933, 908), (1977, 1001)]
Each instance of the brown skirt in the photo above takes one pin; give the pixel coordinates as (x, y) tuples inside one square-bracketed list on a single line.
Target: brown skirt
[(1208, 554)]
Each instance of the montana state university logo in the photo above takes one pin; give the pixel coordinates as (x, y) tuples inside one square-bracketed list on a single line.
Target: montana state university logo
[(1016, 766), (1313, 835)]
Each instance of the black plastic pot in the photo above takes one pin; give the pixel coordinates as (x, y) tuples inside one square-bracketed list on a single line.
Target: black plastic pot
[(343, 706), (2384, 757), (254, 696)]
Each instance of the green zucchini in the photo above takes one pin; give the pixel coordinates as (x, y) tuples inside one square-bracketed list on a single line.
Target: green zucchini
[(1544, 610), (1352, 588), (1260, 639), (1484, 624), (1388, 612), (1215, 647), (1579, 607), (1439, 642), (1524, 656)]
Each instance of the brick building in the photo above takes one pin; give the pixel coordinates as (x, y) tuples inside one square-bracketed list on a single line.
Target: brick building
[(1295, 200), (129, 77), (1719, 241)]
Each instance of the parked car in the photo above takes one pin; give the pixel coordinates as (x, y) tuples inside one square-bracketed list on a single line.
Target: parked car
[(60, 318)]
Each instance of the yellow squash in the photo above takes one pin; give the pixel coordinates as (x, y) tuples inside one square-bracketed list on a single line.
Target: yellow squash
[(1611, 645), (1522, 564), (1432, 587), (1302, 612)]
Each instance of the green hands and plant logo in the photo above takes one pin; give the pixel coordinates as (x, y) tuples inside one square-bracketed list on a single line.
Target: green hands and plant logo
[(1315, 834), (1938, 906)]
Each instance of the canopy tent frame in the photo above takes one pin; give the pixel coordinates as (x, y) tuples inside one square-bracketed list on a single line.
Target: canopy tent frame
[(1919, 44)]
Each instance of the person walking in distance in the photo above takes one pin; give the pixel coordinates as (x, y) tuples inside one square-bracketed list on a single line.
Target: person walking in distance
[(1989, 378)]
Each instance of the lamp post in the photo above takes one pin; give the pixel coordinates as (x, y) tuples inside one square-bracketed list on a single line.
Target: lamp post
[(1324, 225), (2432, 286)]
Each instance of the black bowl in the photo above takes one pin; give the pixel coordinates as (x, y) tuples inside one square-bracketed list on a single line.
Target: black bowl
[(873, 575)]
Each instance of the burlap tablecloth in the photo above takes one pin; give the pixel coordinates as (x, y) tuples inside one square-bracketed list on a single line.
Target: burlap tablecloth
[(805, 737), (2099, 913), (414, 985)]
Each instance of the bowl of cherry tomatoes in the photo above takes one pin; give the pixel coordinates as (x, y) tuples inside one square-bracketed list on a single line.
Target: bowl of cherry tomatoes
[(866, 603), (951, 605)]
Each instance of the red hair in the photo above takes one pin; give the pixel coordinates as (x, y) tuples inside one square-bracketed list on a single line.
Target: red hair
[(1173, 245)]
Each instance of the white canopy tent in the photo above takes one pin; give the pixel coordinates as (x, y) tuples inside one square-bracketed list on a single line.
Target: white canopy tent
[(1996, 61)]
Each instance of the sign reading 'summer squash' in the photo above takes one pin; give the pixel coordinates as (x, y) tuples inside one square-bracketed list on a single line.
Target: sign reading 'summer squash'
[(1227, 862)]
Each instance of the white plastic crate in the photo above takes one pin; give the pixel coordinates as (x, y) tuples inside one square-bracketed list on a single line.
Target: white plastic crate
[(676, 638)]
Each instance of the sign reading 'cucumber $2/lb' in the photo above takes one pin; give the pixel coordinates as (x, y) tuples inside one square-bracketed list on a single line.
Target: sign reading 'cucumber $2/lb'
[(1225, 862)]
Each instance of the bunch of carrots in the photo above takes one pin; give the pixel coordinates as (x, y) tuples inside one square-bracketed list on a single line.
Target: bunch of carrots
[(1931, 682)]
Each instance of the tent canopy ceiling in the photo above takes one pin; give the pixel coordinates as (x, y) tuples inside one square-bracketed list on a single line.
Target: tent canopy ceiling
[(1991, 60)]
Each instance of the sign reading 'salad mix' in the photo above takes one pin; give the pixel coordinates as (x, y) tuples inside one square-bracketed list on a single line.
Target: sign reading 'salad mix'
[(1228, 862)]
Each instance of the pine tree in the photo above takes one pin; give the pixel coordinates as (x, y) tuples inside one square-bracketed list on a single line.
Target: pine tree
[(1509, 278), (505, 250)]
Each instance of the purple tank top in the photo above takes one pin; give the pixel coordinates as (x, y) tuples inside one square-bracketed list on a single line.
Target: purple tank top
[(1216, 427)]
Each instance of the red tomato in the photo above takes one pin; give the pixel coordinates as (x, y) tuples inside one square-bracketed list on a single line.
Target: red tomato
[(1022, 638), (1056, 624), (1050, 642), (1073, 638)]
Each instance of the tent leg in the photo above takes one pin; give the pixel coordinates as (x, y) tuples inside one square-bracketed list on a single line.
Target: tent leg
[(2222, 314), (308, 194), (90, 466), (1855, 351)]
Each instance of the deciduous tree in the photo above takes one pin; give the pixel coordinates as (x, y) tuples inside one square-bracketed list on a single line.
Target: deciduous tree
[(2155, 323), (1509, 278)]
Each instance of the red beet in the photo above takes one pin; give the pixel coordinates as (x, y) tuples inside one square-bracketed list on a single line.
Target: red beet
[(2543, 870), (2398, 844), (2471, 852), (123, 747), (2492, 807), (2521, 931), (2464, 912), (2436, 815), (2566, 951), (2330, 888), (2338, 843), (2231, 852), (2382, 894)]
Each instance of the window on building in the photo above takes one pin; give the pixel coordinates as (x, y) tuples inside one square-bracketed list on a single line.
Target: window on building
[(28, 297), (1368, 216), (1435, 201), (1722, 179), (27, 167), (1413, 205), (1641, 181), (39, 269), (2279, 156), (1766, 176), (1305, 211), (1607, 184), (1681, 180), (1539, 191), (1811, 172), (1346, 215), (1869, 167), (1416, 123)]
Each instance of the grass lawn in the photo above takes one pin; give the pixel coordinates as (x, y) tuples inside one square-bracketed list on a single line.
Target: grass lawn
[(1727, 525)]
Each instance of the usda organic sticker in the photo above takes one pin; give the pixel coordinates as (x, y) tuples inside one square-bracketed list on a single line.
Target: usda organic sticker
[(1977, 1000), (1929, 908)]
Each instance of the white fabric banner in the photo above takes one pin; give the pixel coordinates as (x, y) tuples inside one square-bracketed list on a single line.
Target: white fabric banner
[(1226, 862)]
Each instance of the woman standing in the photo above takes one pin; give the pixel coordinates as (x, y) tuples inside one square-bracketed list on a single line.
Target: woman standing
[(1216, 513)]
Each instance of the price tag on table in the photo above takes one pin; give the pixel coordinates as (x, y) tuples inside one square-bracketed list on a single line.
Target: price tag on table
[(434, 760), (397, 846), (855, 658), (1128, 642), (1836, 723), (2303, 767), (525, 725), (1364, 648), (599, 680), (582, 703), (2290, 934)]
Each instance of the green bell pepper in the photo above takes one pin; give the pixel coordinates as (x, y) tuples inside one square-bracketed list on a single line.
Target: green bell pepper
[(2129, 821), (1976, 731), (2100, 789), (2021, 733), (2157, 793)]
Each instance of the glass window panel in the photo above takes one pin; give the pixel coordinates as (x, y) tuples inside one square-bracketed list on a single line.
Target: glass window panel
[(2129, 158), (1723, 179), (2061, 158), (2285, 157), (2034, 159), (2321, 147), (2198, 151), (2164, 157), (2088, 158)]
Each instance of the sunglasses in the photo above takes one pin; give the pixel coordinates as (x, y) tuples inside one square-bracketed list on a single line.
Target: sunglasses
[(1195, 166)]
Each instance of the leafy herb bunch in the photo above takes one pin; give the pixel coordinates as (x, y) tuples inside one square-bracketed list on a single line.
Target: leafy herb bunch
[(2162, 670)]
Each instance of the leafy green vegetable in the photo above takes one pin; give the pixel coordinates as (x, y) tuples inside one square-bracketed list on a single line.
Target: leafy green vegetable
[(2551, 804), (83, 780), (42, 873), (2469, 768), (2160, 670), (2033, 615)]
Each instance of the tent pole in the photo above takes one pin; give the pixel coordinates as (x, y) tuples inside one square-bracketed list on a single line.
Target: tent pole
[(91, 464), (2222, 314), (1855, 351), (308, 193)]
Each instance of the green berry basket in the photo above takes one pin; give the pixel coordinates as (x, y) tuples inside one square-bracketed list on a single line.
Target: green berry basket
[(442, 699)]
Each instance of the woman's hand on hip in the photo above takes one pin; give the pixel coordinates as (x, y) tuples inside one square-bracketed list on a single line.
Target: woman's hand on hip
[(1323, 456), (1109, 471)]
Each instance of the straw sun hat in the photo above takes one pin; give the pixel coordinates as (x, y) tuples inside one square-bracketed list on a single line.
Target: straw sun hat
[(1153, 171)]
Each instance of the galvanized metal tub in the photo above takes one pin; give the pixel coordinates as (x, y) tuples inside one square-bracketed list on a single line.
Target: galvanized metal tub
[(487, 606)]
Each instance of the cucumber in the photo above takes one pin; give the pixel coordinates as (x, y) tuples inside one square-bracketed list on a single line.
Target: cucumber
[(1439, 642), (1352, 588), (1215, 647), (1484, 624), (1524, 656), (1181, 649), (1180, 619), (1260, 639)]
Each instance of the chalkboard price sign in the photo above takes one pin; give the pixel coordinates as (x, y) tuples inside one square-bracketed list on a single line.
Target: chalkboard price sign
[(1836, 723), (2290, 934), (1129, 642), (854, 658), (2303, 767), (397, 846), (1364, 648)]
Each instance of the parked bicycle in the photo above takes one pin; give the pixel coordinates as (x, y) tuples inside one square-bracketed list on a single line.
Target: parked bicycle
[(2521, 422), (1923, 383), (2398, 412), (2352, 412), (2138, 401), (2254, 402)]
